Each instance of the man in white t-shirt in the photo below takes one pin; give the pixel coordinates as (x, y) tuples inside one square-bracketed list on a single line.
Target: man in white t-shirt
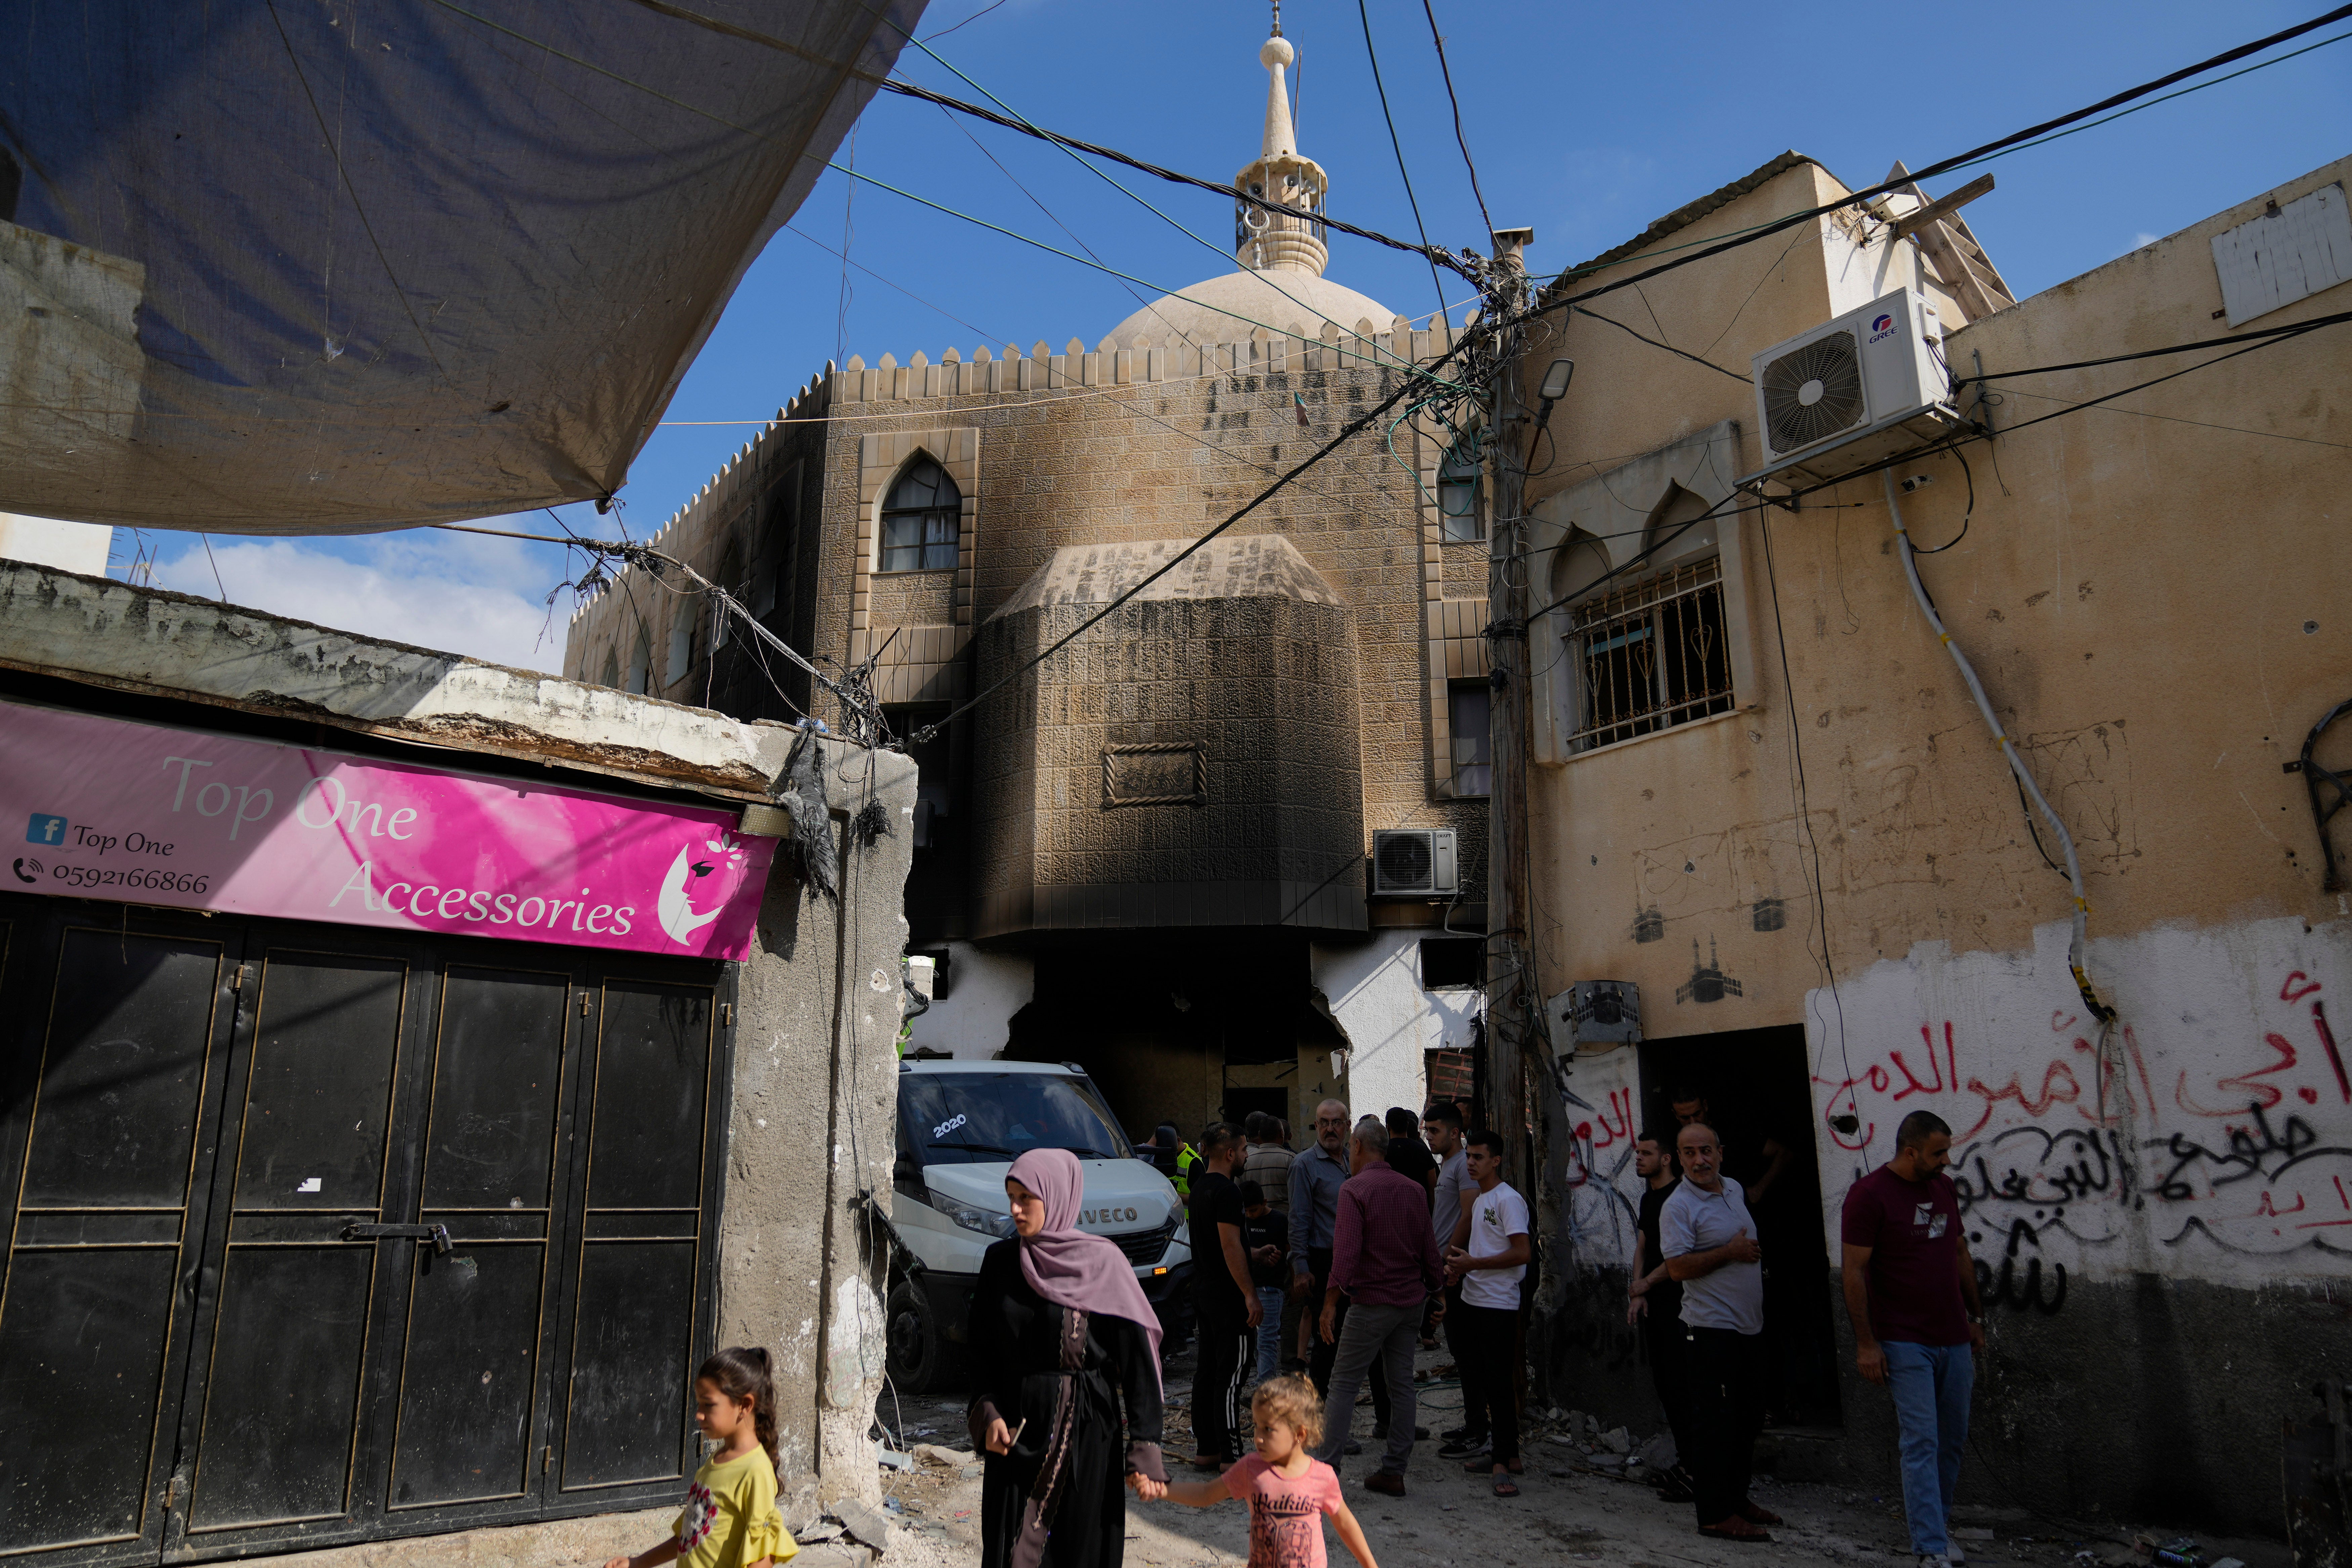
[(1489, 1258)]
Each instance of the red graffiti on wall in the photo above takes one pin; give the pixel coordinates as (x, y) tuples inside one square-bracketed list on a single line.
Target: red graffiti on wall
[(2098, 1092)]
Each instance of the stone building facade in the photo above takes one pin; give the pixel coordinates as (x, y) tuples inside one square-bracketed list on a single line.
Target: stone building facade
[(1147, 852), (1812, 859)]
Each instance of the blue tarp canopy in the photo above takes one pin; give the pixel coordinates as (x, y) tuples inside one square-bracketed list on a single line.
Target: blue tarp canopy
[(330, 266)]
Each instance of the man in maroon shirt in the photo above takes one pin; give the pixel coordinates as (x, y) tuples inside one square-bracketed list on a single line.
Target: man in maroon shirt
[(1384, 1256), (1911, 1288)]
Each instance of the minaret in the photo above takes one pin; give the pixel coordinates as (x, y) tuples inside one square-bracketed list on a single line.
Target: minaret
[(1270, 242)]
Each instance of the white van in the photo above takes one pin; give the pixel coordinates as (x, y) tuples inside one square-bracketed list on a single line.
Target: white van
[(960, 1126)]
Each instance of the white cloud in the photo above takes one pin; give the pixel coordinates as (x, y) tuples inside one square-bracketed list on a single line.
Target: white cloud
[(458, 592), (2142, 241)]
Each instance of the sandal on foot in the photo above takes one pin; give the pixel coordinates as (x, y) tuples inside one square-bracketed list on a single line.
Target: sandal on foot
[(1733, 1528), (1756, 1513), (1506, 1487)]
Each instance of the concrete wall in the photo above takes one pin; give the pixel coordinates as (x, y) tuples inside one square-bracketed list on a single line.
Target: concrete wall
[(68, 546), (1372, 991), (2153, 596), (985, 988), (802, 1269)]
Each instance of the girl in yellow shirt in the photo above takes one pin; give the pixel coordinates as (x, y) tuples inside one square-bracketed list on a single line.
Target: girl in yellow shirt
[(731, 1519)]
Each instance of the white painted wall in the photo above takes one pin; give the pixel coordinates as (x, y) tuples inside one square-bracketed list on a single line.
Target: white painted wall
[(1602, 1196), (67, 546), (984, 990), (2208, 1135), (1374, 992)]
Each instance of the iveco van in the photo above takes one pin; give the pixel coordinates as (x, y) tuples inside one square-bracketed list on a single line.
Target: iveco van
[(960, 1126)]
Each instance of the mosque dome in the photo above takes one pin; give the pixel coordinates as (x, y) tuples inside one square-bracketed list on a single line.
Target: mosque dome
[(1222, 310), (1282, 253)]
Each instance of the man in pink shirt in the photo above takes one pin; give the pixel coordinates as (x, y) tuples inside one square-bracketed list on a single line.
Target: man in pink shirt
[(1384, 1258)]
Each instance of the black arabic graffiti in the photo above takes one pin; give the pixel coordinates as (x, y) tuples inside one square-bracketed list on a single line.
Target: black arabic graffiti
[(2008, 1288), (2246, 1155), (2063, 1168)]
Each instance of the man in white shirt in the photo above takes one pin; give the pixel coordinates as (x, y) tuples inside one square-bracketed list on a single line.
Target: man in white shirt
[(1709, 1240), (1489, 1258)]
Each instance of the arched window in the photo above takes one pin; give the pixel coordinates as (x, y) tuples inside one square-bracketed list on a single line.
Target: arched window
[(921, 520), (612, 667), (640, 658), (1461, 494)]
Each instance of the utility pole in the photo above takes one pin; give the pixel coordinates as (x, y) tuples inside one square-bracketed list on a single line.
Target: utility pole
[(1509, 928)]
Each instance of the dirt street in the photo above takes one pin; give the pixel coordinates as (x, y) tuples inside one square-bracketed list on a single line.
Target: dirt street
[(1571, 1510)]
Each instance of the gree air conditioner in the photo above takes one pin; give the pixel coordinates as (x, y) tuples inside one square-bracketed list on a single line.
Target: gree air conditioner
[(1867, 386), (1413, 862)]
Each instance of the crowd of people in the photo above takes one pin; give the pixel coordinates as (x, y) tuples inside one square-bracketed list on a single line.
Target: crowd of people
[(1319, 1272), (1699, 1288), (1337, 1262)]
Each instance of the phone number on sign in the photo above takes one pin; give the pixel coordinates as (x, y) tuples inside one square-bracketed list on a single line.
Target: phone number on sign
[(132, 877)]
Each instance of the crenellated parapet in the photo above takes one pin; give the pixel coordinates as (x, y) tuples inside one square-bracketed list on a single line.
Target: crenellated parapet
[(1140, 361), (731, 487)]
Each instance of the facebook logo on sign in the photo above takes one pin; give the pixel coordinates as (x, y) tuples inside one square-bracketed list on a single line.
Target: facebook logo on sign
[(45, 828)]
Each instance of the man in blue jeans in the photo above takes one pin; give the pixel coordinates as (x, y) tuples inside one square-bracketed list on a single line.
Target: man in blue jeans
[(1911, 1288)]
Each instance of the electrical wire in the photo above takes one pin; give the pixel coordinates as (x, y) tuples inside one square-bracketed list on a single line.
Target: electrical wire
[(1804, 804), (2157, 381), (909, 90), (1352, 428), (1953, 446), (1217, 250), (2177, 419), (1035, 201), (2292, 328), (1963, 160), (1393, 361), (1657, 344), (2074, 952), (1364, 13), (1461, 140)]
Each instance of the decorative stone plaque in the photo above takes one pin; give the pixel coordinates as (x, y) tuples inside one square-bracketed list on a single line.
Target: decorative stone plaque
[(1160, 773)]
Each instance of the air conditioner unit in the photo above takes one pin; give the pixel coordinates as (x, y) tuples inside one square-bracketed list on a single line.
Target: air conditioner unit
[(1869, 385), (1413, 862)]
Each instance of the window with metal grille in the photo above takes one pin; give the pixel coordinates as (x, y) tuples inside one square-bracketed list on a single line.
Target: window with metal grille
[(1651, 656), (922, 518)]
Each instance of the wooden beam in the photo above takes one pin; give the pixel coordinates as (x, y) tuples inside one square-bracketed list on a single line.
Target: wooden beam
[(1941, 207)]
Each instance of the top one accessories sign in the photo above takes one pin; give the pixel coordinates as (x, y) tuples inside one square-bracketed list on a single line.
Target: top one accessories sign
[(154, 815)]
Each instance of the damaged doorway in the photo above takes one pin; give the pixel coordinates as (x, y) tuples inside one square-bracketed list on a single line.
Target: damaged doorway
[(1757, 1087)]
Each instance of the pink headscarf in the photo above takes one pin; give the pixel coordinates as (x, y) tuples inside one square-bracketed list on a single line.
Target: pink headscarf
[(1070, 1267)]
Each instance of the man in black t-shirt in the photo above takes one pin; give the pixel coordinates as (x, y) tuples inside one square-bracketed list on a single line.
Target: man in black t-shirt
[(1226, 1299), (1655, 1301)]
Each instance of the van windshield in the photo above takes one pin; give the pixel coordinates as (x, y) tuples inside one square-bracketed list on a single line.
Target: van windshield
[(982, 1118)]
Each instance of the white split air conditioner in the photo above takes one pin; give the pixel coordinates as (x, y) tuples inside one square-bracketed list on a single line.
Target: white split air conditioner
[(1867, 386), (1414, 862)]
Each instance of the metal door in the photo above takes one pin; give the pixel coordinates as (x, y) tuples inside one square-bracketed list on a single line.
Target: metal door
[(271, 1444), (636, 1315), (110, 1129), (455, 1268)]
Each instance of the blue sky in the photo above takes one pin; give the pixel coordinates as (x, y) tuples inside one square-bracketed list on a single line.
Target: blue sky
[(1586, 123)]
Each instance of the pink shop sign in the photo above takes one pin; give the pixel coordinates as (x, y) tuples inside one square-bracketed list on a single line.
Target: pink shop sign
[(146, 815)]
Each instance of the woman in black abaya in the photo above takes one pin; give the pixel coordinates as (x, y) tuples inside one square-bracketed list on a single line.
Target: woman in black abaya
[(1068, 1400)]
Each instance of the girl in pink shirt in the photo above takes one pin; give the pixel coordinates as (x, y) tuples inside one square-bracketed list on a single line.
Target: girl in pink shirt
[(1287, 1489)]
